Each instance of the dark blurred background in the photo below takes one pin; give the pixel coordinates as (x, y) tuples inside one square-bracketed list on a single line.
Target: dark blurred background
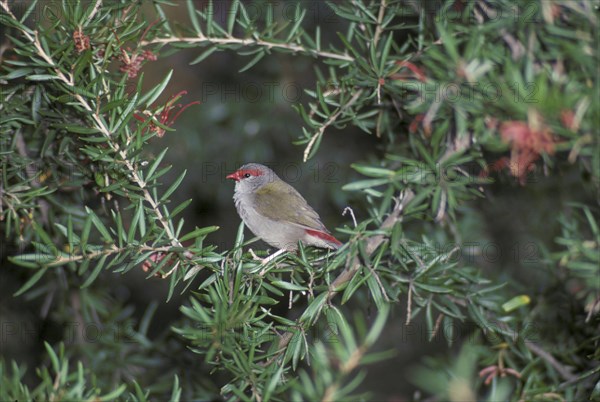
[(249, 117)]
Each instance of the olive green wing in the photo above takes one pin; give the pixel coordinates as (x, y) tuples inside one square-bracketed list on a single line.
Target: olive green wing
[(296, 211)]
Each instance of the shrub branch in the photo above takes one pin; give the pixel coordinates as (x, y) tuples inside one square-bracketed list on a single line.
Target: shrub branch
[(202, 39), (67, 79)]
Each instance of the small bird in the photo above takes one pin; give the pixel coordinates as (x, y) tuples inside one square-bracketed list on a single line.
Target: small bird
[(274, 211)]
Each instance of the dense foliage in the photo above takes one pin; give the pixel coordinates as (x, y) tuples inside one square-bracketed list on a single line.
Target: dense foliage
[(466, 101)]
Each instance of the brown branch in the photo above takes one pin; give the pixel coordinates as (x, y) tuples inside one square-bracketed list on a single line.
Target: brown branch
[(372, 244), (562, 370), (329, 122), (533, 347), (350, 364), (379, 28), (31, 173), (378, 280), (94, 11), (409, 304), (99, 124), (436, 327), (248, 42), (348, 273), (540, 352)]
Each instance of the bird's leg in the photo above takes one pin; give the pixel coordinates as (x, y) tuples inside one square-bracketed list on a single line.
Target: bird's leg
[(266, 260), (254, 256)]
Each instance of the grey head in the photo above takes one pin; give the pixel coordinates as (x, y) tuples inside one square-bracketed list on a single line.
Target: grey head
[(251, 176)]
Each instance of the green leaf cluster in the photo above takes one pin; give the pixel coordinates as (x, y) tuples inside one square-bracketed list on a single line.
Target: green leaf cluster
[(450, 94)]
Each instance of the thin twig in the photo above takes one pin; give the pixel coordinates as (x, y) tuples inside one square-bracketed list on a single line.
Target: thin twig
[(248, 42), (441, 213), (94, 11), (163, 276), (67, 79), (436, 327), (385, 296), (55, 386), (310, 284), (60, 260), (31, 173), (379, 28), (409, 304), (352, 266), (349, 365), (539, 351), (284, 340), (255, 393), (80, 323), (562, 370), (351, 212), (329, 122), (516, 48), (593, 309), (371, 246)]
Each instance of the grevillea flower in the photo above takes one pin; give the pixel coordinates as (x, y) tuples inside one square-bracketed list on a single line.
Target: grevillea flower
[(491, 372), (569, 120), (528, 140), (415, 72), (155, 258), (132, 59), (81, 40), (166, 117)]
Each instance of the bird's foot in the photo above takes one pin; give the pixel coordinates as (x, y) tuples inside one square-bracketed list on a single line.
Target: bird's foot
[(266, 260), (254, 256)]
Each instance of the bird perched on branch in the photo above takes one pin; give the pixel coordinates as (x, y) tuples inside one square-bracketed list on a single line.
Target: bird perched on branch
[(274, 211)]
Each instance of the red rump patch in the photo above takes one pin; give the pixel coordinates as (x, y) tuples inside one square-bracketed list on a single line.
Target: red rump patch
[(239, 175), (324, 236)]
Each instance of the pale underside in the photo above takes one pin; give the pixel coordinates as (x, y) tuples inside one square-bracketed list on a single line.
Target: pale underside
[(263, 219)]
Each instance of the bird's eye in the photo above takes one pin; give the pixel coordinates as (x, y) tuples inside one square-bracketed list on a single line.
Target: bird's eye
[(247, 175)]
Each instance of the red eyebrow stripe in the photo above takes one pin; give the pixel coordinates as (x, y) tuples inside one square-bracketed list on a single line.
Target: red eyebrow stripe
[(324, 236), (253, 172), (238, 175)]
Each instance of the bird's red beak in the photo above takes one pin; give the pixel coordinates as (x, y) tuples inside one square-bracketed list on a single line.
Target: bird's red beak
[(234, 176)]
